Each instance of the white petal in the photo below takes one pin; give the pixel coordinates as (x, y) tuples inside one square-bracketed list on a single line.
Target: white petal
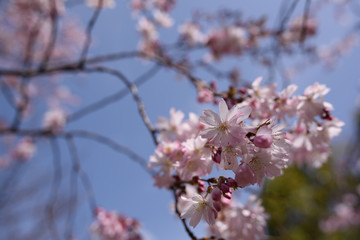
[(195, 219), (189, 211), (238, 113), (210, 118), (223, 109), (209, 133), (256, 82), (264, 130), (288, 91)]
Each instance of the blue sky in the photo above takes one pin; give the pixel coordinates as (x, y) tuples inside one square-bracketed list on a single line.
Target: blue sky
[(119, 183)]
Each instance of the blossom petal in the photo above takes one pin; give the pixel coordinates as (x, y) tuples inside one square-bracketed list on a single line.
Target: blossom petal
[(223, 109), (264, 130), (210, 118), (238, 113), (209, 133), (196, 217)]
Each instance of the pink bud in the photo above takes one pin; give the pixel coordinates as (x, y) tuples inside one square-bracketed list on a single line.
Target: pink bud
[(216, 194), (217, 206), (227, 195), (231, 182), (263, 141), (205, 95), (201, 183), (244, 176), (216, 157), (224, 188)]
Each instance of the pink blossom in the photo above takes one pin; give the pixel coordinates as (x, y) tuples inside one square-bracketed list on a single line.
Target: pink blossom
[(294, 33), (54, 120), (228, 40), (241, 221), (198, 208), (261, 99), (170, 129), (163, 177), (229, 157), (205, 95), (346, 215), (147, 29), (24, 150), (263, 138), (312, 103), (138, 5), (286, 105), (245, 176), (163, 19), (223, 129), (265, 162), (191, 33), (197, 159), (112, 226), (164, 5)]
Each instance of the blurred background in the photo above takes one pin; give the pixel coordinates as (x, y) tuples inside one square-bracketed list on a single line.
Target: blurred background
[(299, 202)]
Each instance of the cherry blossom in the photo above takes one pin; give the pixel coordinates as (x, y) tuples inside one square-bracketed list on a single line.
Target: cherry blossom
[(191, 33), (24, 150), (239, 221), (112, 226), (225, 128), (199, 207), (54, 120), (163, 19)]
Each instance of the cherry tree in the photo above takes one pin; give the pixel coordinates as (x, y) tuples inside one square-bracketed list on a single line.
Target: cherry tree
[(253, 123)]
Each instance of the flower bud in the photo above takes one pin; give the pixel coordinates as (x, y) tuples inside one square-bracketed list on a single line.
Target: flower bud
[(227, 195), (244, 176), (263, 141), (231, 183), (217, 206), (216, 194), (216, 157), (224, 188), (213, 180), (201, 189)]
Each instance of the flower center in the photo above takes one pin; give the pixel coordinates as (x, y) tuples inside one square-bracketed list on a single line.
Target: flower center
[(223, 127), (201, 205)]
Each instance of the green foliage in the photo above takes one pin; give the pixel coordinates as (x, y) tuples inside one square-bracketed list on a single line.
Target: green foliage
[(299, 199)]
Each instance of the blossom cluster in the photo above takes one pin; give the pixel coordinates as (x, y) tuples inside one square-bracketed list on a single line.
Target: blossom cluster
[(238, 221), (113, 226), (151, 15), (22, 18), (346, 214), (238, 36), (26, 43), (253, 139)]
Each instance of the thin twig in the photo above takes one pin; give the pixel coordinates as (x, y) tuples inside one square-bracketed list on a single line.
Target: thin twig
[(69, 67), (8, 94), (57, 176), (72, 201), (112, 98), (85, 180), (304, 23), (114, 145), (89, 29), (133, 90), (51, 43)]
